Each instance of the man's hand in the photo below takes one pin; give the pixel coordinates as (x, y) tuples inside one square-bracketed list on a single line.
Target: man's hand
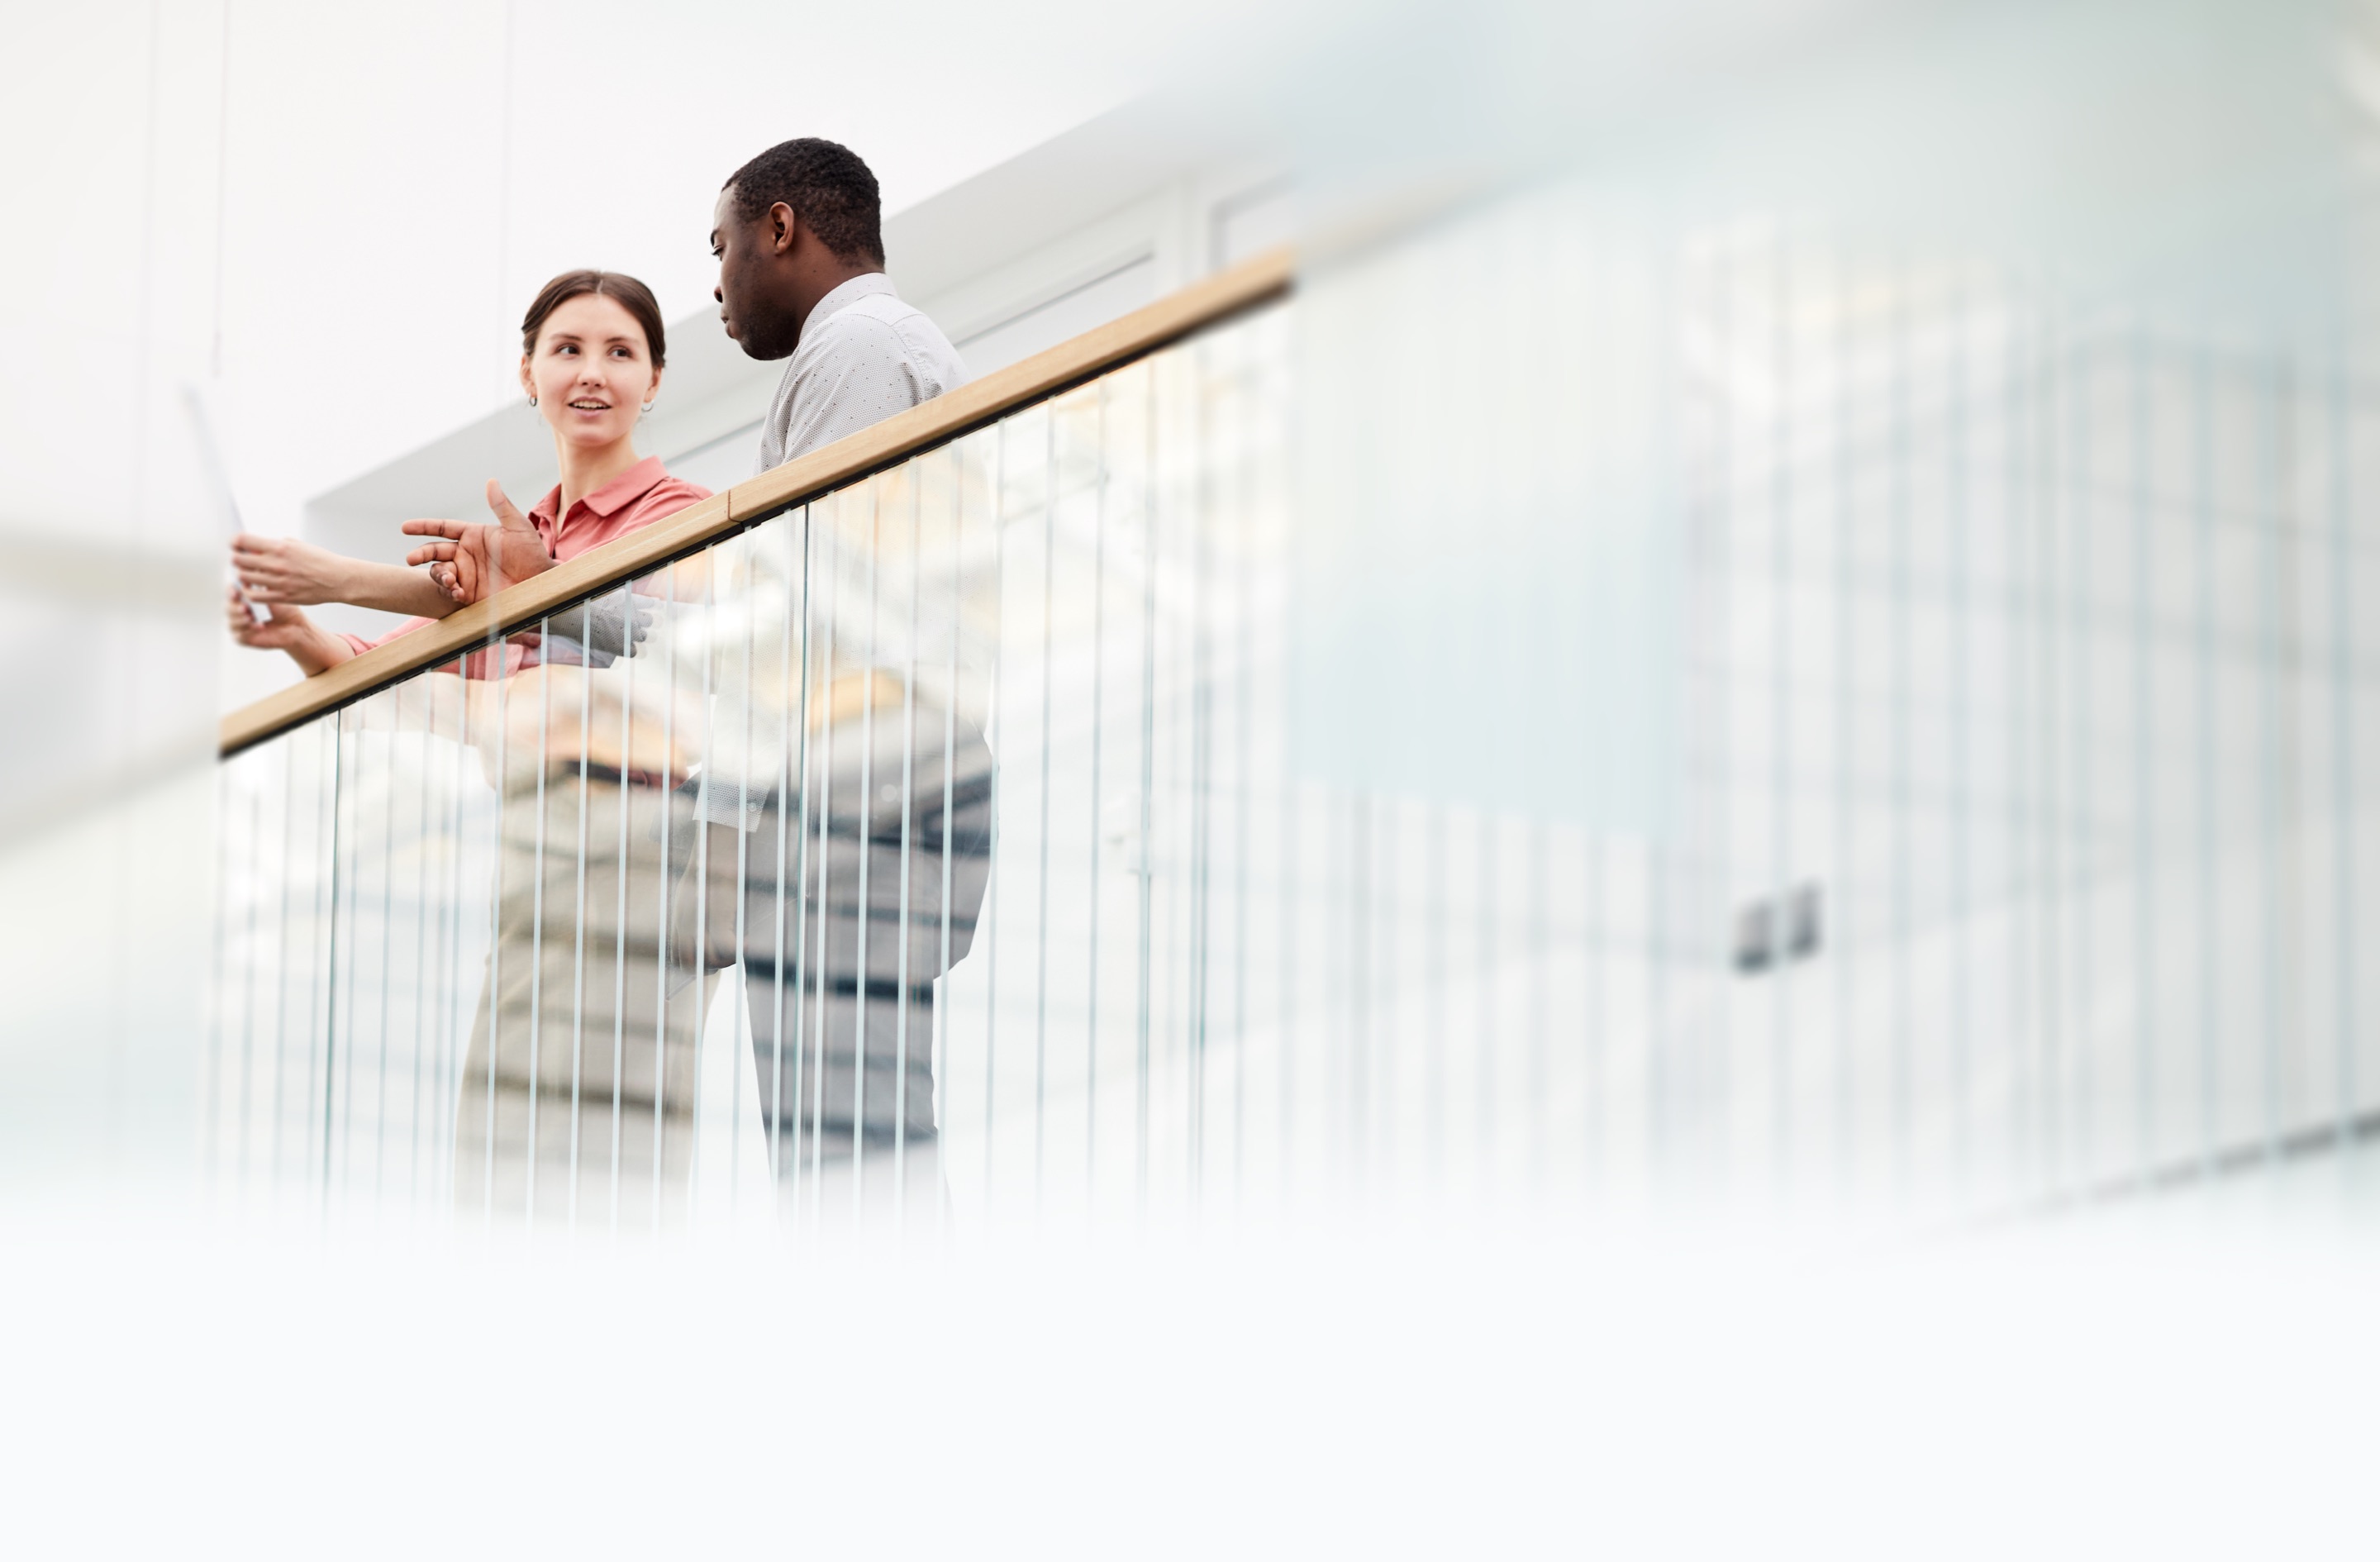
[(472, 559), (284, 569), (598, 632)]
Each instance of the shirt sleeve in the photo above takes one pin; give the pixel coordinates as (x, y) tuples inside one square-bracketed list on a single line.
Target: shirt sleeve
[(360, 644), (474, 663)]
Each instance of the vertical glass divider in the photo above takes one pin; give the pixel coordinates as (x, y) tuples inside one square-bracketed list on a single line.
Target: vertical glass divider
[(663, 877), (869, 671), (832, 542), (942, 1042), (1041, 878), (1091, 877), (705, 791), (331, 968), (787, 531), (537, 914), (578, 901), (629, 663), (1150, 502), (747, 607), (908, 808), (801, 536)]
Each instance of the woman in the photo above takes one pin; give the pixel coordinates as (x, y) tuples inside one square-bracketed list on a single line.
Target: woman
[(592, 350), (581, 1104)]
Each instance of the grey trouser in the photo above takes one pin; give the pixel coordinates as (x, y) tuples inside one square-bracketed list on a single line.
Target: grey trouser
[(842, 1038)]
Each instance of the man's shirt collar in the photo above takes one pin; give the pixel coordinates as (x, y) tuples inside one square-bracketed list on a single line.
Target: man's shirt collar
[(846, 295)]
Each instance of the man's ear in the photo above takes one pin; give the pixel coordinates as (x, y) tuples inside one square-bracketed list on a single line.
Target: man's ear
[(784, 227)]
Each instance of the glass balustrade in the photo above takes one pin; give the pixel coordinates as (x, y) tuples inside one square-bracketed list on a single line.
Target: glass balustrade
[(1872, 735)]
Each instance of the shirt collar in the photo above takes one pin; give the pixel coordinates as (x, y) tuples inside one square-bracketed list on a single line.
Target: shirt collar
[(848, 294), (625, 489)]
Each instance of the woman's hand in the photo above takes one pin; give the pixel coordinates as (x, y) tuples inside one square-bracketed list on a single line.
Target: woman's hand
[(472, 559), (285, 628), (286, 570)]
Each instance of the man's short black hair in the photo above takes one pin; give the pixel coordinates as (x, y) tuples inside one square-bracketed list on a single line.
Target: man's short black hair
[(827, 186)]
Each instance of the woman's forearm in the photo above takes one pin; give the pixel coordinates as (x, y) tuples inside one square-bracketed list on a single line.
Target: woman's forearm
[(318, 651), (392, 587)]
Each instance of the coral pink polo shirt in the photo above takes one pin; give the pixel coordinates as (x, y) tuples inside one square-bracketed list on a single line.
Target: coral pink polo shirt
[(637, 497)]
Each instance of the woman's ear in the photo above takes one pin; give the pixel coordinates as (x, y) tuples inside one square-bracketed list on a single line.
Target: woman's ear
[(528, 385)]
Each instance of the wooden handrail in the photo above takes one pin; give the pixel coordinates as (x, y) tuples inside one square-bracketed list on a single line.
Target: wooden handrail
[(978, 402)]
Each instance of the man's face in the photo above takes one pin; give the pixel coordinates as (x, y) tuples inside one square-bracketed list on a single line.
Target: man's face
[(751, 257)]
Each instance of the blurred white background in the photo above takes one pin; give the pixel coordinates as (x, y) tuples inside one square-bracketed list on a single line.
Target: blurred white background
[(338, 212)]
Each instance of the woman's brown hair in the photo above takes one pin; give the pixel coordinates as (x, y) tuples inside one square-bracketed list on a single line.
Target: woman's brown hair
[(630, 294)]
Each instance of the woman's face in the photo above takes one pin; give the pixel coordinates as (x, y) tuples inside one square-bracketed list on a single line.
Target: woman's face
[(590, 371)]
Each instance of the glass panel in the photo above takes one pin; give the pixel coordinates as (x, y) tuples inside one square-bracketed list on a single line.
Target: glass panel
[(1906, 768)]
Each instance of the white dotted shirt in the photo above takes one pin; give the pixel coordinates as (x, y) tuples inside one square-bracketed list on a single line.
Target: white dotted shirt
[(863, 356)]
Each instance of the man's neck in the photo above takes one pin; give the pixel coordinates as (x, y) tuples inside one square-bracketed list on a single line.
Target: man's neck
[(817, 284)]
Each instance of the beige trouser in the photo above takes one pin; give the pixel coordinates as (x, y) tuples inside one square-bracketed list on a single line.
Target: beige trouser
[(597, 1011)]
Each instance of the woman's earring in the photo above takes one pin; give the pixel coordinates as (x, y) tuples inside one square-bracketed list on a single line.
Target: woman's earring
[(647, 406), (532, 401)]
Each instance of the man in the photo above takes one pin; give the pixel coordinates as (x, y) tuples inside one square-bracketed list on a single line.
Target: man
[(798, 237), (799, 240)]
